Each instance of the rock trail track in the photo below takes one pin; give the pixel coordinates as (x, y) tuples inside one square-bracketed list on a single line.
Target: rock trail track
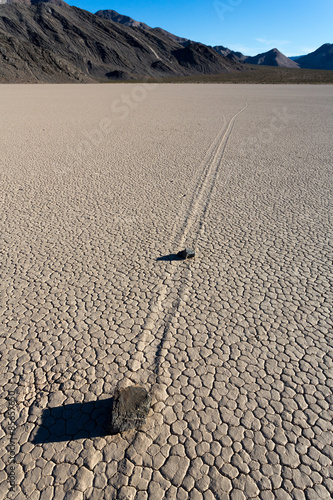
[(188, 225), (235, 346)]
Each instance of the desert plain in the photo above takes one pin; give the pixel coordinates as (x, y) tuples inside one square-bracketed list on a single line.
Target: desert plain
[(100, 186)]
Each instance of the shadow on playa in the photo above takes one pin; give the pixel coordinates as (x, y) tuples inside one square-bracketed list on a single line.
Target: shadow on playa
[(169, 258), (75, 421), (186, 254)]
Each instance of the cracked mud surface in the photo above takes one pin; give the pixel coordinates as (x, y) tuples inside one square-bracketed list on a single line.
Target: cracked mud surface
[(235, 346)]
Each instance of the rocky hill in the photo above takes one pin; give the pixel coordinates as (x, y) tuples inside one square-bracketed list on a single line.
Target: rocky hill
[(322, 58), (50, 42), (272, 58)]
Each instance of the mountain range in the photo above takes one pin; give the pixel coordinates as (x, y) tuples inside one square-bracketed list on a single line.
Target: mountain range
[(50, 41), (45, 41), (322, 58)]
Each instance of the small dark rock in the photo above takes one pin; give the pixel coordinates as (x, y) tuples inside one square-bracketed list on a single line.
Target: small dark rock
[(130, 409), (188, 253)]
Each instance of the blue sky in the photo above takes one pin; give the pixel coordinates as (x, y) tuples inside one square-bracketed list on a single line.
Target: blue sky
[(295, 27)]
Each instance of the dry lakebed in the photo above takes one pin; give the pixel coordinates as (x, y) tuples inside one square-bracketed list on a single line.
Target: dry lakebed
[(101, 186)]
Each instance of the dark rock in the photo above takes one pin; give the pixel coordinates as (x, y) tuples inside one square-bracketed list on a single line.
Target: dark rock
[(130, 409), (188, 253)]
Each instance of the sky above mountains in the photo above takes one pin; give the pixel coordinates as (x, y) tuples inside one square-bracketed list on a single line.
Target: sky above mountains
[(295, 27)]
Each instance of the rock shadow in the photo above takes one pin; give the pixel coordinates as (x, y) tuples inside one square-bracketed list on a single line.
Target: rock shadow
[(75, 421), (169, 258)]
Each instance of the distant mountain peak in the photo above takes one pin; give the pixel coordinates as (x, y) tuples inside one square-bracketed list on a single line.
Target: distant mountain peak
[(272, 57)]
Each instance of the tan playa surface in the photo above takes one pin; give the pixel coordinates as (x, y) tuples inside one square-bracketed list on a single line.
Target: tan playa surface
[(97, 183)]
